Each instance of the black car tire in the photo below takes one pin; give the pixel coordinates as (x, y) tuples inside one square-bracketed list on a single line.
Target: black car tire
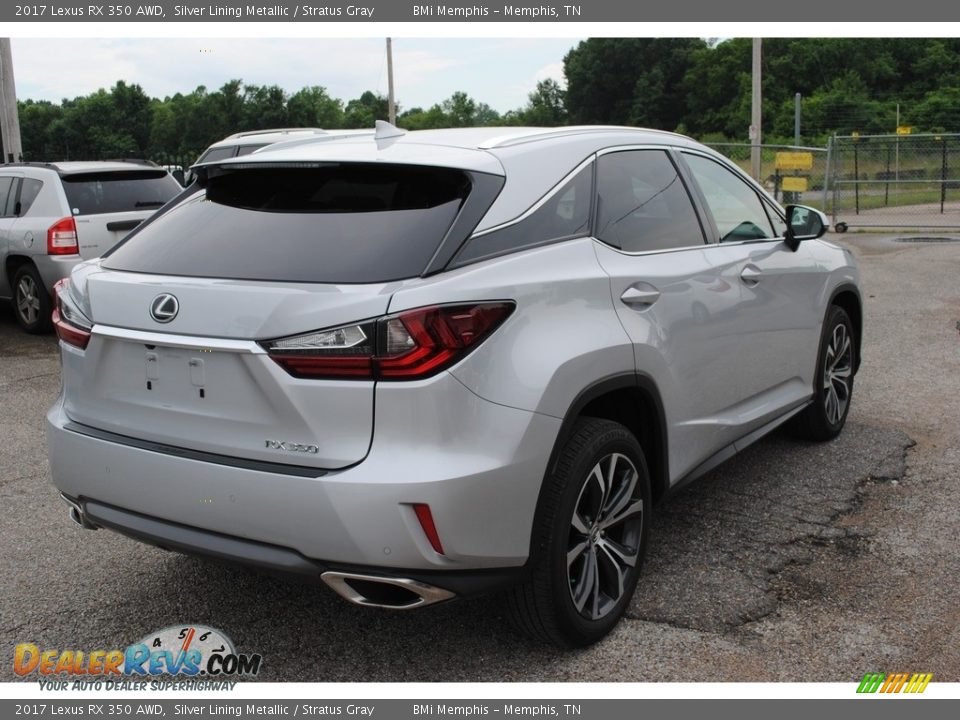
[(573, 603), (32, 304), (826, 415)]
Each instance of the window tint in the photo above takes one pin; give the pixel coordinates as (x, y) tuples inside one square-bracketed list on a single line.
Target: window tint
[(247, 149), (565, 214), (113, 192), (219, 153), (337, 223), (6, 196), (29, 189), (736, 207), (643, 204)]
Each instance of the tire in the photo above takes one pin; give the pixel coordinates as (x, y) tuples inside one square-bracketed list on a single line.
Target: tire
[(824, 418), (32, 305), (588, 567), (840, 227)]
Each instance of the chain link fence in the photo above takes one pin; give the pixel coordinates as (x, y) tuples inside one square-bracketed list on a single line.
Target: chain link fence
[(895, 181)]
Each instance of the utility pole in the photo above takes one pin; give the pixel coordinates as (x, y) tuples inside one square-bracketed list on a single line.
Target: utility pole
[(9, 114), (391, 103), (796, 119), (756, 111)]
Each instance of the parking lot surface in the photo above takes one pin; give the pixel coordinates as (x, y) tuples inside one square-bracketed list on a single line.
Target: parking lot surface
[(792, 562)]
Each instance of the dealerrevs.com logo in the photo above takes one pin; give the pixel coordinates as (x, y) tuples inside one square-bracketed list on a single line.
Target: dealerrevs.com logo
[(184, 651)]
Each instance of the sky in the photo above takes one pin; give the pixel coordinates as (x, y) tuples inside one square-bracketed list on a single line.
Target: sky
[(497, 71)]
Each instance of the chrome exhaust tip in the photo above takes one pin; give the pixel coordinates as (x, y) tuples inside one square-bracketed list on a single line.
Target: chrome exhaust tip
[(384, 592), (77, 515)]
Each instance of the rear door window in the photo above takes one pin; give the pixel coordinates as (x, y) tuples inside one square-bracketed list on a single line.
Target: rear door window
[(643, 204), (29, 190), (218, 153), (115, 192), (330, 223), (7, 196)]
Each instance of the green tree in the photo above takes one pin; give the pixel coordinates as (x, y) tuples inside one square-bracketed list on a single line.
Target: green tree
[(264, 106), (460, 110), (365, 110), (313, 107), (631, 81), (545, 106)]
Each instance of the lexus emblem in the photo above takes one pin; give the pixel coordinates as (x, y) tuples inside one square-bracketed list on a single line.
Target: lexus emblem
[(164, 308)]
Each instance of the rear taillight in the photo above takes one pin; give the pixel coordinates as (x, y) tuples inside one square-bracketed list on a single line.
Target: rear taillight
[(71, 325), (407, 346), (62, 238)]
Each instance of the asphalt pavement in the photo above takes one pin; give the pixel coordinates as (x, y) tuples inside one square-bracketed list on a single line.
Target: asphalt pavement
[(794, 561)]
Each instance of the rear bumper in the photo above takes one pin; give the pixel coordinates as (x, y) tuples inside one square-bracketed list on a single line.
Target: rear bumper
[(477, 464), (53, 268), (274, 559)]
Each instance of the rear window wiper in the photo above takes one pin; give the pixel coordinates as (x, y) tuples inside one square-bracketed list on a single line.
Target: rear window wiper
[(149, 203)]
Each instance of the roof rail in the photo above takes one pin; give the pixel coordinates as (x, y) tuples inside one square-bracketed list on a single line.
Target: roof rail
[(29, 163), (522, 135), (139, 161), (247, 133)]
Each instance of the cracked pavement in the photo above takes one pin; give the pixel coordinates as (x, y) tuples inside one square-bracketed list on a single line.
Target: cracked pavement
[(791, 561)]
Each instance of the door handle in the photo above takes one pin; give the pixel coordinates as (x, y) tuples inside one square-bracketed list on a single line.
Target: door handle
[(641, 295), (751, 275)]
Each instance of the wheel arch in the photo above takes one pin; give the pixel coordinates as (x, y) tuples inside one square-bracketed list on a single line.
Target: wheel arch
[(847, 296), (631, 399)]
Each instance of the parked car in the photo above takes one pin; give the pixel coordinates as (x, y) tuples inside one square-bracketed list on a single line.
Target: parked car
[(53, 215), (244, 143), (442, 363)]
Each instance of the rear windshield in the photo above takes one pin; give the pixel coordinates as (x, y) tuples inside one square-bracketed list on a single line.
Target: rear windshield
[(333, 223), (114, 192)]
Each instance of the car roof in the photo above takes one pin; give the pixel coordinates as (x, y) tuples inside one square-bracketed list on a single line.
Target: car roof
[(258, 137), (531, 159), (72, 167)]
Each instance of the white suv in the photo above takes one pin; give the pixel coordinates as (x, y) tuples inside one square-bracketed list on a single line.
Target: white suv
[(53, 215)]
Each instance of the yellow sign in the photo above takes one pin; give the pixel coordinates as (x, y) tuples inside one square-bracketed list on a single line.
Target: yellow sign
[(904, 130), (793, 184), (794, 160)]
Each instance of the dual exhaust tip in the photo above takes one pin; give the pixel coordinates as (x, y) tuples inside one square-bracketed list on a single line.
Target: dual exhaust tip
[(77, 515), (367, 590), (384, 592)]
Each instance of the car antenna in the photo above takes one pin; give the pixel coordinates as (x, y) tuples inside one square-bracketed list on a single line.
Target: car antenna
[(385, 131)]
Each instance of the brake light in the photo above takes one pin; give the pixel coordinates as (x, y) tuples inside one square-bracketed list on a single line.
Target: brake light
[(410, 345), (62, 237), (71, 326)]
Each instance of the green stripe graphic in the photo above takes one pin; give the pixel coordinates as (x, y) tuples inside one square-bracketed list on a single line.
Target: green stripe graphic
[(871, 682)]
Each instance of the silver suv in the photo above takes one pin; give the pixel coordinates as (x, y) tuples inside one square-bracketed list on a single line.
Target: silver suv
[(427, 365), (54, 215)]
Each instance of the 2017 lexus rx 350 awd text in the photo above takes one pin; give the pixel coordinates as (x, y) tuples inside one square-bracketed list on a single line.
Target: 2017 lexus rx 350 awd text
[(434, 364)]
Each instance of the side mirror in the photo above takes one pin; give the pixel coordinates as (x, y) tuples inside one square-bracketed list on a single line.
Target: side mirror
[(804, 223)]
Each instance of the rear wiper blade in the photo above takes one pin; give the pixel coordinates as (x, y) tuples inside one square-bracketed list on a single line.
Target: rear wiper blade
[(149, 203)]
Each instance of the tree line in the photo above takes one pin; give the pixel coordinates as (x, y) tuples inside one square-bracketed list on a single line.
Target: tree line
[(695, 86)]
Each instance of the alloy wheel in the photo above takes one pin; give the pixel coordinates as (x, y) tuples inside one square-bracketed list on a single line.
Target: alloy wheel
[(28, 300), (605, 536), (837, 373)]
